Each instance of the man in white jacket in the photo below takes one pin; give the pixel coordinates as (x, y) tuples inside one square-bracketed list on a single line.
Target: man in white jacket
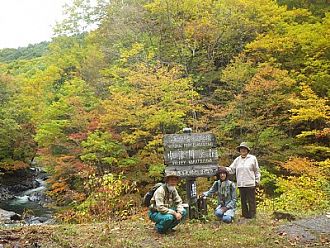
[(248, 177)]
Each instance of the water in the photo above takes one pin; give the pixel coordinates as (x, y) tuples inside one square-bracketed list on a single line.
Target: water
[(21, 203)]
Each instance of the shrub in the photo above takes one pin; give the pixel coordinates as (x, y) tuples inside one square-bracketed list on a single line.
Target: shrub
[(110, 197), (300, 195)]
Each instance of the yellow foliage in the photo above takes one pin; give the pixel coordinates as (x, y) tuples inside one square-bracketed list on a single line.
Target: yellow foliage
[(309, 107), (325, 168), (128, 53), (301, 195), (324, 133), (110, 197), (150, 98)]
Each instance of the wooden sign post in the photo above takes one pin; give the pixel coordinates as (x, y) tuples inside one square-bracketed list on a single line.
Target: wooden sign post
[(191, 155)]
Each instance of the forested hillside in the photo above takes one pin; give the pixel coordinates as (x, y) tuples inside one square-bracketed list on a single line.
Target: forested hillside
[(22, 53), (92, 107)]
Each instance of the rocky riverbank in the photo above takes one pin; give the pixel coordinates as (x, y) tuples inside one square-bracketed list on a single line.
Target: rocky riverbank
[(22, 198), (5, 194), (12, 184)]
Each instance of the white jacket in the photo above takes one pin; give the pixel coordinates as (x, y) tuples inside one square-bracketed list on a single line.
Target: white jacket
[(247, 171)]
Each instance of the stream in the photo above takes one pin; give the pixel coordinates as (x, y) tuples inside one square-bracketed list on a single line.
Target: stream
[(30, 204)]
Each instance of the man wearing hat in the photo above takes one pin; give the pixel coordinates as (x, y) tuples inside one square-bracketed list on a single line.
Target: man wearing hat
[(248, 177), (226, 192), (166, 208)]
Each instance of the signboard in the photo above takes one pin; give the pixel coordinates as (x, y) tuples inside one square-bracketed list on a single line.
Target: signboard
[(191, 155)]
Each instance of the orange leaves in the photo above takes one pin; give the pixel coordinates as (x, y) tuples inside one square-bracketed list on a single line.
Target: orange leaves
[(59, 187), (301, 166), (145, 103), (11, 165), (202, 31), (67, 164), (320, 135), (93, 123), (263, 102), (60, 190), (268, 79), (324, 133)]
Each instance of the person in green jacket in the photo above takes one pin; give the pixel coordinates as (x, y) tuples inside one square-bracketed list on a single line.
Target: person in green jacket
[(166, 208)]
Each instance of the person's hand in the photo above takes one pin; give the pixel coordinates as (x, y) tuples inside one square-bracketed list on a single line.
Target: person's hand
[(224, 209), (178, 216)]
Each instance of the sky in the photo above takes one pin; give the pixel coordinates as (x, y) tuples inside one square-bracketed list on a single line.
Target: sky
[(24, 22)]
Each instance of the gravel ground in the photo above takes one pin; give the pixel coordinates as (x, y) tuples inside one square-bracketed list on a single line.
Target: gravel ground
[(310, 230)]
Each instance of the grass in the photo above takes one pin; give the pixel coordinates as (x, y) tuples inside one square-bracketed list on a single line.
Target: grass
[(139, 232)]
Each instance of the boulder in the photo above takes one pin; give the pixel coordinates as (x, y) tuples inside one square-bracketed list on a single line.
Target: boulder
[(34, 220), (8, 216), (35, 197), (5, 194)]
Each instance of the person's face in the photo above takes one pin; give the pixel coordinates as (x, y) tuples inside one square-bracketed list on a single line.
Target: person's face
[(223, 176), (243, 151), (172, 181)]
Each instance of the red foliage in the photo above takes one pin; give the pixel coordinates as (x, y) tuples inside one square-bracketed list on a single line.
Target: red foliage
[(78, 136), (93, 124), (325, 133)]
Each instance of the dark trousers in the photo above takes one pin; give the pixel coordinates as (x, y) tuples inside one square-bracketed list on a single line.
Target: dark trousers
[(248, 202)]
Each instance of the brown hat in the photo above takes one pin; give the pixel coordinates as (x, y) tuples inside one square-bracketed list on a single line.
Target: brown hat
[(243, 144)]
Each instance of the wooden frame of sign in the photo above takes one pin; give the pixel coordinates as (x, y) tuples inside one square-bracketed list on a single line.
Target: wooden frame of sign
[(191, 155)]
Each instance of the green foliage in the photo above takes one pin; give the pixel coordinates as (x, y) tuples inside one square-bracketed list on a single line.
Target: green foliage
[(310, 116), (16, 142), (256, 113), (156, 170), (64, 116), (318, 7), (102, 151), (203, 35), (268, 182), (304, 192), (23, 53)]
